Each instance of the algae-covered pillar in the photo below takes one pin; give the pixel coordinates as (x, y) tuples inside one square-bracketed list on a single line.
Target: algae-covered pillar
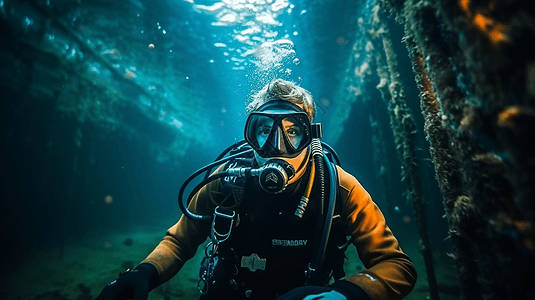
[(479, 60), (448, 174), (404, 128)]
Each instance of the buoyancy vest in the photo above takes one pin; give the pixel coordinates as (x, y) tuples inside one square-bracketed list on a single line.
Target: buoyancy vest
[(270, 246)]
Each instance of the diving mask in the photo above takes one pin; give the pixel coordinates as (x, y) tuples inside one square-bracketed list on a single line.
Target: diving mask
[(278, 129)]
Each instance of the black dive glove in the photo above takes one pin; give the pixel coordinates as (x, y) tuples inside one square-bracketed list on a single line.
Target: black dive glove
[(135, 284), (340, 290)]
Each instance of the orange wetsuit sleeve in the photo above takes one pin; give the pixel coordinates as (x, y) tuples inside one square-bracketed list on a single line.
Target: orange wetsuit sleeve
[(182, 239), (389, 272)]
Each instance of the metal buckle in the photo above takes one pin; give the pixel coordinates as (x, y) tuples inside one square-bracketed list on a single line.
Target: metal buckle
[(310, 274), (218, 237)]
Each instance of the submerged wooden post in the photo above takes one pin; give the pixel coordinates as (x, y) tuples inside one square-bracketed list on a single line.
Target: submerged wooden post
[(448, 175), (404, 128)]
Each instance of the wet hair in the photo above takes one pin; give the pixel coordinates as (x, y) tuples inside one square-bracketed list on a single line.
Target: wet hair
[(283, 90)]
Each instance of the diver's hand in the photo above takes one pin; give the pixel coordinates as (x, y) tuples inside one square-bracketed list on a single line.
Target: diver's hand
[(340, 290), (135, 284)]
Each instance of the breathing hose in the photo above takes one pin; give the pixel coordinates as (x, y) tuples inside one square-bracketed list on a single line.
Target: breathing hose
[(333, 185), (274, 176), (317, 154), (184, 204), (238, 146), (323, 220)]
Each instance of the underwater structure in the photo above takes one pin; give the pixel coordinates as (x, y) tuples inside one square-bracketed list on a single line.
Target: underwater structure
[(472, 61), (473, 65)]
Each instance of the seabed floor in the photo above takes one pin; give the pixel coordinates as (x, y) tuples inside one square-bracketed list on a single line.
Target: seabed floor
[(86, 267)]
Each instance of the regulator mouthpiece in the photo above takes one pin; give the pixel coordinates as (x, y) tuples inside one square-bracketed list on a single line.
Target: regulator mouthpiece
[(274, 175)]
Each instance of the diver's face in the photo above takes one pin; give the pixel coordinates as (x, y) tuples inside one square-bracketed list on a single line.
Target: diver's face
[(294, 133), (289, 128)]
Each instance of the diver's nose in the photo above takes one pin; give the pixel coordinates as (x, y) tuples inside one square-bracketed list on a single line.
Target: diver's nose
[(279, 142)]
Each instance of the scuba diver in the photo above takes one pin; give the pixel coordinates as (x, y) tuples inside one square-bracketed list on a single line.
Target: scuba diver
[(279, 212)]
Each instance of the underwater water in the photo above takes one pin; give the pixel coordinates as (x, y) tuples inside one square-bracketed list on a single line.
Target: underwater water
[(110, 105)]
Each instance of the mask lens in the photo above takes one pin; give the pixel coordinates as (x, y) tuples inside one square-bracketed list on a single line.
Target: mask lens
[(278, 133), (262, 129), (294, 130)]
